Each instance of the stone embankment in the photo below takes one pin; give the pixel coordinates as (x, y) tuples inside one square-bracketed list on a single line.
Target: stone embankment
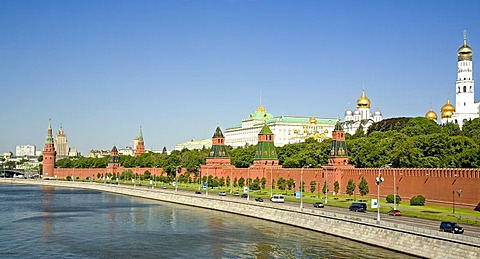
[(398, 237)]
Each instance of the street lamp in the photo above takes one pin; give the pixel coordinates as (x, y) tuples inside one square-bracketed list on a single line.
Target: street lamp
[(271, 183), (206, 191), (378, 180), (301, 186), (326, 186), (176, 178), (248, 183), (459, 192)]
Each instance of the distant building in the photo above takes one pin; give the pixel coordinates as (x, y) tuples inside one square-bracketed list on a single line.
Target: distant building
[(194, 144), (287, 129), (25, 150), (127, 151), (98, 153), (362, 117), (72, 152), (61, 143)]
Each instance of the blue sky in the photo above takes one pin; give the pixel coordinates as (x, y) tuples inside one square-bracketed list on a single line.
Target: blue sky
[(177, 68)]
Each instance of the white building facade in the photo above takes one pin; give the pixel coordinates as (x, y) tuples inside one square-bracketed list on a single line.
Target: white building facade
[(466, 107), (25, 150), (361, 117), (287, 129)]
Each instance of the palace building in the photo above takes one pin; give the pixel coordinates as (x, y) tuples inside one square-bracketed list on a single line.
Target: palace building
[(465, 106), (287, 129), (362, 117)]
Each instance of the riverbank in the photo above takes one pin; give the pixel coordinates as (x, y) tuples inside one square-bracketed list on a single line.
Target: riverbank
[(398, 237)]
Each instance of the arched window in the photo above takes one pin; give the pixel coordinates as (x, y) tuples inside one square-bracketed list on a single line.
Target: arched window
[(464, 89)]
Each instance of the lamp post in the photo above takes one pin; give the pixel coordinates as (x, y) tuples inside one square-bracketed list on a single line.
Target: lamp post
[(248, 183), (199, 177), (394, 190), (206, 191), (379, 180), (271, 183), (176, 178), (326, 186), (231, 181)]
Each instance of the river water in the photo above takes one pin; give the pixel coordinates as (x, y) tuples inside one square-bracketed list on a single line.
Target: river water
[(49, 222)]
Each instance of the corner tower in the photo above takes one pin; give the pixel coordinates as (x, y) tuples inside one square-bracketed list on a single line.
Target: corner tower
[(49, 154), (218, 153), (139, 144), (265, 154)]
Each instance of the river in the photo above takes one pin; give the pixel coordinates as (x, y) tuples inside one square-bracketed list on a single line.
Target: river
[(52, 222)]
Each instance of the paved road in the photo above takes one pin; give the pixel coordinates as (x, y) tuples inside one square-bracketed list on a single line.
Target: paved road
[(473, 231)]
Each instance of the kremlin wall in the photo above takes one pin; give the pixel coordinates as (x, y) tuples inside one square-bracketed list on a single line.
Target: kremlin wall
[(439, 186)]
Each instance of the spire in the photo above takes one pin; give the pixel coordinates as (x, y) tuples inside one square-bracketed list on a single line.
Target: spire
[(49, 139), (464, 38), (141, 134)]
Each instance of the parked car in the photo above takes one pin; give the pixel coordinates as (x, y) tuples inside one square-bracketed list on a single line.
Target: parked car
[(259, 199), (394, 213), (222, 194), (244, 195), (198, 192), (452, 227), (236, 194), (318, 204), (164, 187), (277, 198), (358, 207)]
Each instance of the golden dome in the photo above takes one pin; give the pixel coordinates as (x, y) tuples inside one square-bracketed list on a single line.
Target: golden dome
[(260, 109), (431, 115), (363, 101), (447, 110), (313, 120), (465, 52)]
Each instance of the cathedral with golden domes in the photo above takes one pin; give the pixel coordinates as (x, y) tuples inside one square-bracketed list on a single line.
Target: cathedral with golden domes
[(465, 106), (361, 117)]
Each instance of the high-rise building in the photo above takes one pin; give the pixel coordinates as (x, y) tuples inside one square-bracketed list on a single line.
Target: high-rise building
[(61, 143), (25, 150), (361, 117), (466, 107)]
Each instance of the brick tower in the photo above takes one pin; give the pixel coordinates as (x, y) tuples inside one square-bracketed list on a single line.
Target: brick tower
[(265, 154), (139, 144), (218, 153), (114, 162), (337, 157), (49, 154)]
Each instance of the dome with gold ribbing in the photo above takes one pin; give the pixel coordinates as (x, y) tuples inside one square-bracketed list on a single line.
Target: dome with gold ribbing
[(363, 101), (447, 110), (465, 52), (431, 115), (260, 114)]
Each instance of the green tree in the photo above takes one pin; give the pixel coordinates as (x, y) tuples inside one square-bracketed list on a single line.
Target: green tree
[(363, 187), (325, 188), (350, 187), (290, 183), (336, 187), (241, 182), (313, 185), (281, 183), (263, 182)]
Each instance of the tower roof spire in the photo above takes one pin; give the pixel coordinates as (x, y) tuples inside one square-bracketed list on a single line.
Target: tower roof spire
[(141, 134), (464, 38)]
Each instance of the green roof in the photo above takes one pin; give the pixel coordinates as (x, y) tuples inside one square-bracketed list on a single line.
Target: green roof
[(265, 130), (265, 151), (218, 151), (218, 133)]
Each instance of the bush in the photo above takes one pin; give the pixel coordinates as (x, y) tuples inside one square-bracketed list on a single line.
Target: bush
[(418, 200), (68, 178), (390, 198)]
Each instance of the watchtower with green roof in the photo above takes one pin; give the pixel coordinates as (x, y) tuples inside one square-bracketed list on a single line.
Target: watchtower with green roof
[(265, 154), (338, 152), (114, 162), (218, 153)]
